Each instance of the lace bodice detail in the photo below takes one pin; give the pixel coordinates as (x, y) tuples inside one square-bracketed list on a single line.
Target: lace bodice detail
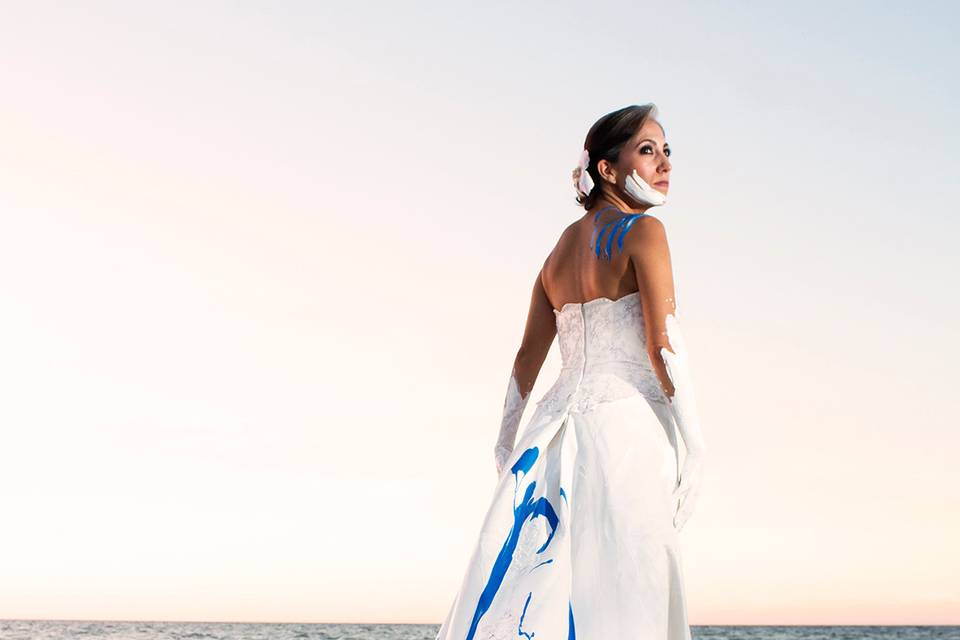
[(604, 354)]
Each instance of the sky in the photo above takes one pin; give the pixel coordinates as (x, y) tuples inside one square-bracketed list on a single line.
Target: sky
[(264, 269)]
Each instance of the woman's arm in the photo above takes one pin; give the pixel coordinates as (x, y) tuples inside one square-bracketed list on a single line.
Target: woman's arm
[(538, 335), (650, 256)]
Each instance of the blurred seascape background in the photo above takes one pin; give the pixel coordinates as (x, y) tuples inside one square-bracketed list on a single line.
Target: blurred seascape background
[(265, 268)]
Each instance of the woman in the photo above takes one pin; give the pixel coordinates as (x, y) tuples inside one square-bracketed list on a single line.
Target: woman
[(581, 536)]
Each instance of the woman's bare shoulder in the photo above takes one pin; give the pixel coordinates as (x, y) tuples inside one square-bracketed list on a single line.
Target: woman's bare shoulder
[(646, 232), (646, 244)]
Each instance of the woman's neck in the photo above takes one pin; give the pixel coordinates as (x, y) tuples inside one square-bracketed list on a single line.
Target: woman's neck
[(611, 200)]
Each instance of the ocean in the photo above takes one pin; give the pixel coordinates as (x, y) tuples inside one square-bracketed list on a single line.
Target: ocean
[(93, 630)]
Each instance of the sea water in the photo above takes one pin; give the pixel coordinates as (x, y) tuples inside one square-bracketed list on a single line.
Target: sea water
[(94, 630)]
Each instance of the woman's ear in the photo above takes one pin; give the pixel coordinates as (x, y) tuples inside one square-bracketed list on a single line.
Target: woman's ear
[(607, 172)]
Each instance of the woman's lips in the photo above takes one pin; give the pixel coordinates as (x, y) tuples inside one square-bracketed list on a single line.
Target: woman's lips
[(664, 183)]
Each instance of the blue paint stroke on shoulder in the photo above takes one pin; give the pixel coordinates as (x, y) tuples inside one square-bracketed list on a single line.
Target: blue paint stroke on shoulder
[(571, 634), (524, 512), (617, 228)]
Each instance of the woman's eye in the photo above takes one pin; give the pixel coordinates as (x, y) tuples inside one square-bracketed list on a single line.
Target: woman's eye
[(648, 148)]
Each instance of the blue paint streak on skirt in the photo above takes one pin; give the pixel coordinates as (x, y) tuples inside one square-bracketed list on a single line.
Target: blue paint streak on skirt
[(527, 510)]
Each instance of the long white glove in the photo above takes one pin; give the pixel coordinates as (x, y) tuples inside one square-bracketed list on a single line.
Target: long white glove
[(684, 409), (513, 406)]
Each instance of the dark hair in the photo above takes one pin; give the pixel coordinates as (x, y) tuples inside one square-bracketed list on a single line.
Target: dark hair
[(605, 141)]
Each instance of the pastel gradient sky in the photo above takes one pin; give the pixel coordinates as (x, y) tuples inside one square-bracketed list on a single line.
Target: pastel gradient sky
[(265, 268)]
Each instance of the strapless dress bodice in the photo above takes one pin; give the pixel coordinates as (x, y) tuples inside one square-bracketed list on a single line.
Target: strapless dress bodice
[(604, 357)]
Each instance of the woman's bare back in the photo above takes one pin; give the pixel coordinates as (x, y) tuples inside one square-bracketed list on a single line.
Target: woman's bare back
[(606, 254), (573, 272)]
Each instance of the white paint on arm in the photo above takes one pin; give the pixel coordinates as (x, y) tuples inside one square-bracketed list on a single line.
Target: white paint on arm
[(683, 402), (513, 406), (683, 407)]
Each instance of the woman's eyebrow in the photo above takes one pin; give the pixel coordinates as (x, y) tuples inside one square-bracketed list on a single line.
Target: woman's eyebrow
[(665, 144)]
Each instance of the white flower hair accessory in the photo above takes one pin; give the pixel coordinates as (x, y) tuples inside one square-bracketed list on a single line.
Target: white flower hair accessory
[(581, 177)]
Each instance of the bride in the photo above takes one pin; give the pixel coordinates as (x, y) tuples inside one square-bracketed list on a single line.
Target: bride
[(580, 537)]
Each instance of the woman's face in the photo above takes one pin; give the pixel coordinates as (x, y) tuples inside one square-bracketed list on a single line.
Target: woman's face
[(648, 153)]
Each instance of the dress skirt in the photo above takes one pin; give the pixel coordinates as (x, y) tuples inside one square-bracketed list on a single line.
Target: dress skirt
[(578, 540)]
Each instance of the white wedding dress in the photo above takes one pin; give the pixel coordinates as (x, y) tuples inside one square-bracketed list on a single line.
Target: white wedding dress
[(579, 539)]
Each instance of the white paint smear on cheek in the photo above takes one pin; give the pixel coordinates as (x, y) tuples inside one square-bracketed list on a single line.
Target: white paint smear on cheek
[(640, 191)]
